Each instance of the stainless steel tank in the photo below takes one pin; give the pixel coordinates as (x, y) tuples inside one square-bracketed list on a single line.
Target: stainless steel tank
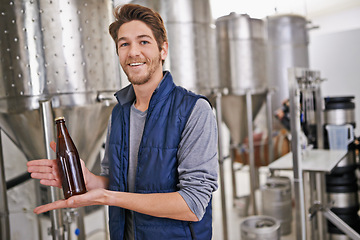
[(192, 42), (287, 40), (192, 46), (57, 50), (242, 68), (153, 4)]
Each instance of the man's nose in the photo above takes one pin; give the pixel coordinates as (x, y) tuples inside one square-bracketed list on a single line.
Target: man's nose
[(134, 50)]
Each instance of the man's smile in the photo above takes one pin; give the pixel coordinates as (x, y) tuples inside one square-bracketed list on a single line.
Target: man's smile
[(136, 64)]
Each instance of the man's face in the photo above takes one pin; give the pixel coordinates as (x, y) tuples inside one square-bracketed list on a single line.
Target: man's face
[(138, 51)]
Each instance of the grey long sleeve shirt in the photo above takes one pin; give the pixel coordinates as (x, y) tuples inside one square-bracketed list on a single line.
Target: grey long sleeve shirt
[(197, 157)]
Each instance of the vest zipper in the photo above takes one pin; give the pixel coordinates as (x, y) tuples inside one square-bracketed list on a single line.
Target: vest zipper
[(193, 237)]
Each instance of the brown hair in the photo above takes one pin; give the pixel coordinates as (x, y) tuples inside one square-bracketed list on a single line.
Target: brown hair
[(130, 12)]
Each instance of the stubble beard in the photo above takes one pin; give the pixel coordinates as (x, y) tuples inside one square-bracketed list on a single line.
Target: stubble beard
[(140, 80)]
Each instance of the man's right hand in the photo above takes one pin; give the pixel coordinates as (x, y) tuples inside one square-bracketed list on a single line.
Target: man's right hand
[(46, 170)]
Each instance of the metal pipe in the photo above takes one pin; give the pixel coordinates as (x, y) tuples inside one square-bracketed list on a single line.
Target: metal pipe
[(221, 164), (269, 125), (320, 177), (308, 201), (17, 180), (80, 223), (311, 197), (320, 187), (233, 173), (338, 222), (57, 225), (253, 174), (294, 97), (318, 226), (4, 209), (318, 207), (319, 117)]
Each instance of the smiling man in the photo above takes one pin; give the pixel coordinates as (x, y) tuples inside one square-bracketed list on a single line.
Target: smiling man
[(160, 166), (138, 52)]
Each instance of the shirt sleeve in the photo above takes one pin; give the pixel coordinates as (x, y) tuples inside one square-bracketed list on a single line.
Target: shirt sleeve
[(197, 158)]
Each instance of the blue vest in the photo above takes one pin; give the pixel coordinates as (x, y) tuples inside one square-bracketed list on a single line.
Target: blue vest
[(169, 109)]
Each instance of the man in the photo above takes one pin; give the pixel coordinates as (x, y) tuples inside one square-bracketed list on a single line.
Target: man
[(160, 165)]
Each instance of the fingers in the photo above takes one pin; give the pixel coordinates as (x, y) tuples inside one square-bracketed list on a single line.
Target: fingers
[(47, 179), (46, 170), (94, 197), (53, 146), (41, 162), (52, 183), (43, 166), (51, 206), (72, 202), (47, 176)]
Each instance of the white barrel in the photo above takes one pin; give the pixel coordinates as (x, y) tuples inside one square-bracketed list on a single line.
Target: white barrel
[(260, 228)]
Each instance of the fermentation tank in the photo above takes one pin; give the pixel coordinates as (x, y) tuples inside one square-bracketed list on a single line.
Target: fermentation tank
[(287, 37), (61, 51), (192, 47), (242, 69), (59, 54)]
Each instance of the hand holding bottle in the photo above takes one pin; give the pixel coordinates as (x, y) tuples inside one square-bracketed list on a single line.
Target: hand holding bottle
[(94, 197), (47, 170)]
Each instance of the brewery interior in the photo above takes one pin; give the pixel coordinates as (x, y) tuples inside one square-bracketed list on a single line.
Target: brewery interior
[(282, 77)]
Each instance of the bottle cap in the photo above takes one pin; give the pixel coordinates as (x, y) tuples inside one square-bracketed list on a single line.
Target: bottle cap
[(59, 118)]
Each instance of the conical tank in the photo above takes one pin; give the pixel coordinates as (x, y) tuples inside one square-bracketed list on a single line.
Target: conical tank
[(287, 37), (57, 50), (242, 69)]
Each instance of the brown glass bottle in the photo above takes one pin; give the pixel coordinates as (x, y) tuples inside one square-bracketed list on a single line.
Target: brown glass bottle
[(68, 161)]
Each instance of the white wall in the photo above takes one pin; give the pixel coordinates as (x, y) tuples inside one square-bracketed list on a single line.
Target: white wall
[(334, 50)]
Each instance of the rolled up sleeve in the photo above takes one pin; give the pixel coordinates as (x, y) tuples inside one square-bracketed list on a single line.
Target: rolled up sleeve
[(197, 158)]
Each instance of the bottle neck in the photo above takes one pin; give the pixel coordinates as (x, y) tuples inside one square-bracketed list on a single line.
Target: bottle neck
[(62, 133), (61, 127)]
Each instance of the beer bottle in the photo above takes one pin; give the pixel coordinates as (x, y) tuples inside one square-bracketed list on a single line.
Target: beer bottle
[(68, 161)]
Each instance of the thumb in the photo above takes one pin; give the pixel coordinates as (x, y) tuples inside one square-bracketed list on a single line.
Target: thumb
[(53, 146)]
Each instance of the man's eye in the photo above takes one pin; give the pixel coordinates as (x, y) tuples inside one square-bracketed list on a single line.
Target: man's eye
[(144, 42), (123, 45)]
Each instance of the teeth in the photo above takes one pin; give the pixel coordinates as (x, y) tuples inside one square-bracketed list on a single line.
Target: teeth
[(136, 64)]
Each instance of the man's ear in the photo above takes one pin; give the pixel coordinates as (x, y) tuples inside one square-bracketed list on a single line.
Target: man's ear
[(164, 50)]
